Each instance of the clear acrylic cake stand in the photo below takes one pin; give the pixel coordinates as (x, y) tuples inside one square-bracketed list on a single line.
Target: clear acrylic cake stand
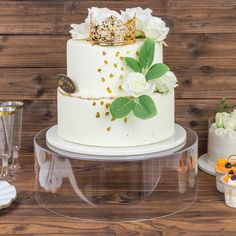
[(129, 189)]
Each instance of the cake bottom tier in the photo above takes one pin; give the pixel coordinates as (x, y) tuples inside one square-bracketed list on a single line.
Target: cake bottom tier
[(89, 122)]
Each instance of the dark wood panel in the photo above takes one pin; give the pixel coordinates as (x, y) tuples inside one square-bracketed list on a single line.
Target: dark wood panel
[(41, 83), (54, 17), (189, 50), (192, 113)]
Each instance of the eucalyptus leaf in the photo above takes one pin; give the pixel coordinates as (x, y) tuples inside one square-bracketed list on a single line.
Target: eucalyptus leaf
[(157, 71), (147, 52), (144, 108), (133, 64), (121, 107)]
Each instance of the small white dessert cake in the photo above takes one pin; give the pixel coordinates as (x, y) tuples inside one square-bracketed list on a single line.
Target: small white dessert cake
[(117, 91), (222, 137)]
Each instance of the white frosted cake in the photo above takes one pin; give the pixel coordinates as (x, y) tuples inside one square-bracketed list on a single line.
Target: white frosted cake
[(117, 91), (222, 137)]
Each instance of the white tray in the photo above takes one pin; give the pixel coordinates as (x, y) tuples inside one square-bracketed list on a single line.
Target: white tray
[(205, 166), (56, 142)]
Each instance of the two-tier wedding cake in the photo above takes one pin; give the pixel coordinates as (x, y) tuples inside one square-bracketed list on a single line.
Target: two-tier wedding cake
[(117, 91)]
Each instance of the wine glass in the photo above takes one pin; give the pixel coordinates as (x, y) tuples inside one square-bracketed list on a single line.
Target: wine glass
[(17, 131), (6, 130)]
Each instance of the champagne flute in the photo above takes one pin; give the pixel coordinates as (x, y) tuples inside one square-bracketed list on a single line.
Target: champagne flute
[(17, 131), (6, 130)]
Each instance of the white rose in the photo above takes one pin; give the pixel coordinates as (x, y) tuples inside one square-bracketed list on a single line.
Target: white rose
[(225, 118), (166, 82), (233, 113), (155, 28), (219, 120), (230, 123), (101, 14), (140, 14), (220, 132), (80, 31), (135, 84)]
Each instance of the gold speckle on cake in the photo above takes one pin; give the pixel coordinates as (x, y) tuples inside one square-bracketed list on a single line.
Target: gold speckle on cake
[(122, 68), (117, 54), (125, 119), (99, 70), (109, 128), (113, 119), (137, 53), (109, 90), (103, 79), (97, 115), (120, 88), (115, 65), (121, 77), (104, 53), (111, 76), (101, 103), (128, 52), (106, 62), (122, 58), (94, 103), (107, 113), (108, 105)]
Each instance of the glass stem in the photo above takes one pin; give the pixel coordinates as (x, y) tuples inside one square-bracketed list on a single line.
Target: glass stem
[(4, 172), (15, 159)]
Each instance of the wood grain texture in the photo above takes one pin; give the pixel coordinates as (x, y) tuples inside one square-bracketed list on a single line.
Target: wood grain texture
[(207, 216)]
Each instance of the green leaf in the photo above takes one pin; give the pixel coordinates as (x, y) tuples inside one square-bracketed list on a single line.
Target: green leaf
[(144, 108), (121, 107), (147, 53), (133, 64), (223, 100), (157, 71)]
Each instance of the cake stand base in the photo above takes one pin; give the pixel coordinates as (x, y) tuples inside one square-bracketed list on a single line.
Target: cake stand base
[(62, 146), (106, 188), (205, 166)]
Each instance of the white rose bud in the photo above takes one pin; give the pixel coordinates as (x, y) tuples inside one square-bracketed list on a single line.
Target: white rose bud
[(220, 132), (135, 84), (230, 124), (81, 31), (225, 118), (230, 133), (155, 28), (166, 82)]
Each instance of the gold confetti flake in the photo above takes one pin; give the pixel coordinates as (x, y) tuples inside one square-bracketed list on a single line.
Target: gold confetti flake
[(113, 119), (120, 88), (107, 113), (111, 76), (104, 53), (137, 53), (122, 68), (106, 62), (109, 128), (108, 105), (99, 70), (125, 120), (121, 77), (98, 115), (103, 79), (128, 52), (94, 103), (117, 54), (115, 65), (122, 58), (101, 103), (109, 90)]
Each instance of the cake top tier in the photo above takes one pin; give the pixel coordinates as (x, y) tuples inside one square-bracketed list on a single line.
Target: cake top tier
[(107, 27)]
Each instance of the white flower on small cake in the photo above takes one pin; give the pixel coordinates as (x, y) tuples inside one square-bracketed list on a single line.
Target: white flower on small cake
[(155, 28), (166, 82), (80, 31), (135, 84)]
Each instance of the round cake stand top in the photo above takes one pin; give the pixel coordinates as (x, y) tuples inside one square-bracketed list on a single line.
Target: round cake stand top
[(124, 189)]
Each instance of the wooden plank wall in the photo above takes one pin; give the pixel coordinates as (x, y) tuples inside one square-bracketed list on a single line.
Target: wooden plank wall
[(202, 52)]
